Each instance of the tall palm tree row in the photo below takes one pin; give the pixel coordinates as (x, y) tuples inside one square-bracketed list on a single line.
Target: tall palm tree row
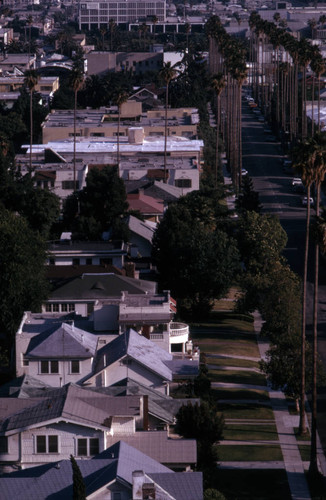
[(288, 78), (76, 81), (120, 97), (167, 73), (228, 57), (31, 79)]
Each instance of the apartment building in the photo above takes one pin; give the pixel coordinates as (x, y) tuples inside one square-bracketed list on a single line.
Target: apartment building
[(94, 14)]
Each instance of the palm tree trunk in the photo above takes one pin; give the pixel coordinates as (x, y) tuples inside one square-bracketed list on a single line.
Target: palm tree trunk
[(31, 129), (75, 108), (313, 467), (118, 138), (166, 129), (302, 424)]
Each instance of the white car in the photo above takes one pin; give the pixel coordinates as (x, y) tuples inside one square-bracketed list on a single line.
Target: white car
[(304, 201), (244, 172), (296, 181)]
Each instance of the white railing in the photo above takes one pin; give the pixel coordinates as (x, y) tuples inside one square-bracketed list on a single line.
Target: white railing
[(178, 329)]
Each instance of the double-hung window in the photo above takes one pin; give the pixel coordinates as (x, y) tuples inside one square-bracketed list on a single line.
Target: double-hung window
[(47, 444), (87, 447), (49, 366)]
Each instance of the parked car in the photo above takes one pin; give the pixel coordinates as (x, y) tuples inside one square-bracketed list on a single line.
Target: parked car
[(304, 201), (297, 185), (244, 172), (287, 166)]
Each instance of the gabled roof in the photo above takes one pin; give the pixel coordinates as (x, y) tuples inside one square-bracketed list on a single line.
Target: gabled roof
[(100, 286), (71, 403), (141, 228), (180, 486), (145, 204), (160, 447), (63, 341), (136, 347), (116, 463)]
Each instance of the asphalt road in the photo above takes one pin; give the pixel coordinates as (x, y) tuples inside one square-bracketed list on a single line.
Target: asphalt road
[(262, 157)]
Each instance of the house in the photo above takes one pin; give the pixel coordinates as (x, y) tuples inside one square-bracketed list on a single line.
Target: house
[(66, 421), (82, 422), (17, 62), (76, 253), (121, 472), (46, 86), (133, 355), (150, 208), (57, 349), (140, 236)]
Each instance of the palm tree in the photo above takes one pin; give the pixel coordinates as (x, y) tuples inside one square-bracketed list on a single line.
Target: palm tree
[(76, 81), (304, 159), (120, 97), (103, 32), (217, 84), (154, 21), (318, 144), (167, 73), (112, 27), (31, 79)]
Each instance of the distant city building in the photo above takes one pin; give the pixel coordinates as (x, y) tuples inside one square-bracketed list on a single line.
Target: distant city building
[(93, 14)]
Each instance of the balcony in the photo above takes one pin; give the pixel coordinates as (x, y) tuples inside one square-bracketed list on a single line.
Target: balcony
[(179, 333)]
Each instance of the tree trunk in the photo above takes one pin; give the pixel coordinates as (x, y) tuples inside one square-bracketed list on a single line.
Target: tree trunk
[(31, 131), (166, 129), (313, 467), (75, 108), (302, 424)]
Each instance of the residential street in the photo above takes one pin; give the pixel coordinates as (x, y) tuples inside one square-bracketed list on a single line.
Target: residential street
[(262, 157)]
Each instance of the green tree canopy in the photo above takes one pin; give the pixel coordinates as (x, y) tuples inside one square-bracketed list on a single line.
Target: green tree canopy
[(195, 260), (23, 285), (79, 488), (99, 207), (201, 422)]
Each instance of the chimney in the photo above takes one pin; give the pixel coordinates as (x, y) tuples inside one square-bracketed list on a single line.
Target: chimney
[(138, 478)]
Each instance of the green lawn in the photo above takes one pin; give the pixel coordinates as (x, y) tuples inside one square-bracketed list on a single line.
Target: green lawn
[(252, 453), (242, 432), (251, 484), (242, 363), (256, 394), (243, 411), (237, 377), (243, 347)]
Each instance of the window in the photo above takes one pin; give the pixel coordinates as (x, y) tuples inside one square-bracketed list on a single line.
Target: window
[(3, 444), (50, 366), (25, 361), (51, 261), (47, 444), (105, 262), (87, 446), (89, 261), (64, 307), (71, 307), (75, 262), (70, 184), (75, 366), (48, 307), (55, 307), (183, 183)]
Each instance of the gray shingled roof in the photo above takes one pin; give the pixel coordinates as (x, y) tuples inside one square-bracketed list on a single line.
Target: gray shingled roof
[(181, 486), (101, 286), (118, 462), (160, 447), (140, 227), (71, 403), (63, 341), (137, 347)]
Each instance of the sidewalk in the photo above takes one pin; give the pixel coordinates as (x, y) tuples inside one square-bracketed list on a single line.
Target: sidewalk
[(285, 424)]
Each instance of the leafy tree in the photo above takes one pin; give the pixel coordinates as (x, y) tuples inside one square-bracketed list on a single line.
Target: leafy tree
[(248, 198), (261, 241), (200, 421), (177, 244), (79, 488), (212, 494), (23, 285), (98, 207)]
